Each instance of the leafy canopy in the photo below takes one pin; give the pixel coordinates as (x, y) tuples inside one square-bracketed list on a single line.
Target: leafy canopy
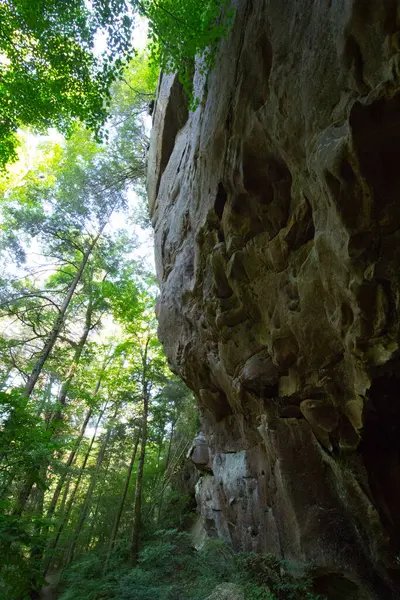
[(180, 30), (53, 74), (49, 73)]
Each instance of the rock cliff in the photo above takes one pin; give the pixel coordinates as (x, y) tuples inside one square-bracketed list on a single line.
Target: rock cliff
[(276, 208)]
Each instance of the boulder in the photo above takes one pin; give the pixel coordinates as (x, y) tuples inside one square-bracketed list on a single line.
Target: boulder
[(227, 591)]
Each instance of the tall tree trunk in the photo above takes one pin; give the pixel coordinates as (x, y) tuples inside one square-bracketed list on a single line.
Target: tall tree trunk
[(138, 490), (59, 321), (68, 464), (63, 477), (137, 522), (65, 495), (46, 400), (99, 497), (65, 516), (24, 493), (165, 470), (121, 503), (88, 498), (38, 502), (26, 487), (62, 396), (180, 451), (79, 439)]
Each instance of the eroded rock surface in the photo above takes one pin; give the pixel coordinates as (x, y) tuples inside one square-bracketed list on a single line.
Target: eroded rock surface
[(200, 454), (276, 208)]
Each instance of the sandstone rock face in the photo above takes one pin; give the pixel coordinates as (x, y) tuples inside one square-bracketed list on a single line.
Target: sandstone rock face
[(276, 208), (199, 453)]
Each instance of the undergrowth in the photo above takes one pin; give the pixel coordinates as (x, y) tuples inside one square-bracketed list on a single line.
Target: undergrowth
[(170, 568)]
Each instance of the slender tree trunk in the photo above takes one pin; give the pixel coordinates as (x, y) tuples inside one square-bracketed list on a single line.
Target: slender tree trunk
[(88, 498), (62, 396), (23, 495), (100, 496), (165, 471), (26, 488), (5, 488), (137, 522), (138, 491), (46, 400), (65, 495), (59, 321), (67, 466), (71, 499), (179, 453), (121, 504), (62, 479), (38, 502)]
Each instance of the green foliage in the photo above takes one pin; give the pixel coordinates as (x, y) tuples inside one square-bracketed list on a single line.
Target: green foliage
[(171, 569), (25, 444), (180, 30), (17, 536), (49, 74), (266, 577), (25, 441), (59, 206), (53, 75)]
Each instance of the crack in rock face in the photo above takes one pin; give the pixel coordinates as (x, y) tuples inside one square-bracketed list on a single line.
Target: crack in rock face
[(276, 209)]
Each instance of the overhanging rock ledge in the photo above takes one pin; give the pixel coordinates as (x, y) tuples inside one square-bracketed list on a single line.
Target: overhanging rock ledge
[(276, 209)]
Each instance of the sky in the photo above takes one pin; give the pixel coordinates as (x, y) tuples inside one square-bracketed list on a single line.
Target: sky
[(118, 221)]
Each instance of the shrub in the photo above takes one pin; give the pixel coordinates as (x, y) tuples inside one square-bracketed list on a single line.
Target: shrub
[(170, 568)]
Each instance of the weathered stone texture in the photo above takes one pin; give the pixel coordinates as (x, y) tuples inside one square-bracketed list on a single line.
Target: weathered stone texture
[(276, 207), (227, 591)]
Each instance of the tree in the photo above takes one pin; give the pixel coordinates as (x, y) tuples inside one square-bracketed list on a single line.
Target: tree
[(118, 514), (68, 465), (66, 513), (146, 388), (180, 30), (67, 212), (49, 73), (88, 497), (52, 76)]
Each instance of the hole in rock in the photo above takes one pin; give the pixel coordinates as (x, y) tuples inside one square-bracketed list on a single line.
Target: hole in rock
[(352, 57), (217, 404), (176, 115), (334, 586), (268, 183), (263, 58), (380, 447), (346, 172), (364, 243), (220, 201), (376, 137), (221, 237), (347, 316)]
